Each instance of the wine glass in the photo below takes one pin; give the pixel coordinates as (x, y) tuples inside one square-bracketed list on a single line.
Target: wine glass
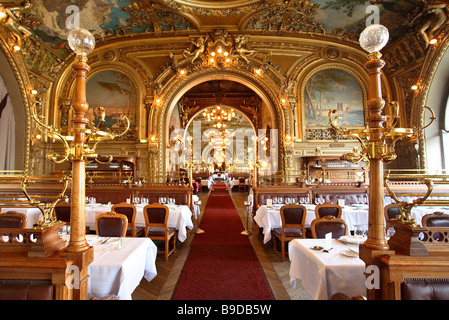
[(275, 200)]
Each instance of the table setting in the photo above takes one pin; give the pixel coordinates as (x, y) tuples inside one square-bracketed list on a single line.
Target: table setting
[(268, 216), (328, 266), (180, 216), (119, 264)]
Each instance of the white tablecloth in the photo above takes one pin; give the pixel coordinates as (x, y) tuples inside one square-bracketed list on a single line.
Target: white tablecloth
[(270, 218), (324, 274), (119, 272), (180, 217), (207, 183)]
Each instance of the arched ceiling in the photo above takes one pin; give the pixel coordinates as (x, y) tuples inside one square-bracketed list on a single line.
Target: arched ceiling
[(109, 19)]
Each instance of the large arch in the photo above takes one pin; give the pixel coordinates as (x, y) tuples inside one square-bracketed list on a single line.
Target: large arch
[(267, 94)]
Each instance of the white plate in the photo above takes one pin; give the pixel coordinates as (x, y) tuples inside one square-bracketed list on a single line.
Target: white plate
[(350, 254)]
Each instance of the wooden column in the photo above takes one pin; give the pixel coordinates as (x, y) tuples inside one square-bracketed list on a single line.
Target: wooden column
[(376, 245), (78, 249)]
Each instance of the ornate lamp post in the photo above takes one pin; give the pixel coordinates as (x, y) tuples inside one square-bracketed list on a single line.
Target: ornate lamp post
[(378, 140)]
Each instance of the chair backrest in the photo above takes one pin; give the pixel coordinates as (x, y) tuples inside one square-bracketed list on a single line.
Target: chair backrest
[(242, 180), (391, 211), (13, 219), (322, 226), (293, 216), (436, 220), (128, 209), (111, 224), (62, 211), (156, 215), (328, 209)]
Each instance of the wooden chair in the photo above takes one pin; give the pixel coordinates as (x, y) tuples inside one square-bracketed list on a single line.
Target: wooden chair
[(293, 217), (435, 220), (111, 224), (322, 226), (13, 219), (156, 226), (391, 211), (130, 211), (328, 209), (242, 184), (63, 211)]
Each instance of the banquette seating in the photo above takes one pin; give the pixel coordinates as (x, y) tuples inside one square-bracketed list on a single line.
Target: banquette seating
[(350, 195), (262, 194), (181, 194), (113, 194)]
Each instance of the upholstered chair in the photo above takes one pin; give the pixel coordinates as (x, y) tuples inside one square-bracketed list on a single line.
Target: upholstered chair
[(322, 226), (130, 211), (111, 224), (328, 209), (293, 217), (13, 219), (156, 227)]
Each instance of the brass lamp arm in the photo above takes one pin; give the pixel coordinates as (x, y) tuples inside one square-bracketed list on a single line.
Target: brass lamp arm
[(50, 130), (333, 123)]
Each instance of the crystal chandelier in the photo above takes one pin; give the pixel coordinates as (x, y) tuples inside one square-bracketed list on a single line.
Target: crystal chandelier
[(219, 114)]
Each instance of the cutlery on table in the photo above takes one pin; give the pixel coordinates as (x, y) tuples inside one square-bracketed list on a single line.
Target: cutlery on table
[(105, 240)]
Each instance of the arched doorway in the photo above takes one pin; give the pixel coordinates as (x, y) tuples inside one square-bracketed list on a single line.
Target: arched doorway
[(271, 114)]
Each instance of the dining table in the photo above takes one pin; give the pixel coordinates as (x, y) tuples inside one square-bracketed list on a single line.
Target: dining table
[(324, 273), (269, 217), (117, 269), (179, 217)]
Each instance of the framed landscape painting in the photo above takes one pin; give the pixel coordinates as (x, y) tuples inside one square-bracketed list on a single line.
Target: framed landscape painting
[(116, 92), (333, 89)]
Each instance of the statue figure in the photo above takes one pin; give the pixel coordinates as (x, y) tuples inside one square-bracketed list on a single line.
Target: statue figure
[(199, 46), (12, 21), (434, 17), (241, 47)]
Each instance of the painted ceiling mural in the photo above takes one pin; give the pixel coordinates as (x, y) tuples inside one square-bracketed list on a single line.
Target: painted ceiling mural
[(109, 18)]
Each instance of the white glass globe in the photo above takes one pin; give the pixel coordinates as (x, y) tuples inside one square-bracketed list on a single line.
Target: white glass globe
[(374, 38), (81, 41)]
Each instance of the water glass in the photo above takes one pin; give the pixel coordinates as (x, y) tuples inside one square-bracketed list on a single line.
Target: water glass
[(359, 231)]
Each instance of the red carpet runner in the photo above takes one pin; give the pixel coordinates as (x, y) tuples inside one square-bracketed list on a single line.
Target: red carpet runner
[(222, 264)]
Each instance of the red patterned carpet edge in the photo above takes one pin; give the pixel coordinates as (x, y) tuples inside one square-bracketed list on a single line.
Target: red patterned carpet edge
[(222, 264)]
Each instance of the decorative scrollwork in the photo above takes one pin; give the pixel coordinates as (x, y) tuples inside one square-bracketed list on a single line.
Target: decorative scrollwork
[(95, 133)]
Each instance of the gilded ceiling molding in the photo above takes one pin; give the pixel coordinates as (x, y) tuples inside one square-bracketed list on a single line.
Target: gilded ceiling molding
[(154, 17), (286, 16)]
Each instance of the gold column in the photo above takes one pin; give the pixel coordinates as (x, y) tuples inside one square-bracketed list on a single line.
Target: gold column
[(378, 141), (82, 254), (78, 211), (376, 231)]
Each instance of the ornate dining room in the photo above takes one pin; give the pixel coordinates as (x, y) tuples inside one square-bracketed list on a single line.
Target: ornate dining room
[(237, 150)]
